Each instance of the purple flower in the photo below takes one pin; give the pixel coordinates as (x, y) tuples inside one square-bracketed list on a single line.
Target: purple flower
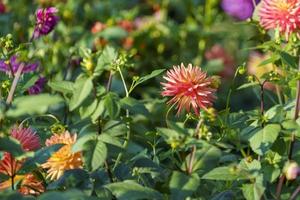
[(239, 9), (13, 65), (38, 86), (46, 20)]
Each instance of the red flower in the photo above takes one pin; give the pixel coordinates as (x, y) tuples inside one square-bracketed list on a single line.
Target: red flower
[(281, 14), (27, 137), (189, 87)]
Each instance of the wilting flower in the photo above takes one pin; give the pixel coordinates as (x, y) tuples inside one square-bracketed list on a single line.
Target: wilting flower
[(189, 87), (98, 27), (239, 9), (38, 86), (46, 20), (13, 64), (31, 186), (281, 14), (292, 170), (64, 159), (9, 166), (217, 52)]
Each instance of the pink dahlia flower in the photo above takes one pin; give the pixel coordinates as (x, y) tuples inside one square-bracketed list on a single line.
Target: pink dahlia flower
[(281, 14), (189, 87), (27, 137)]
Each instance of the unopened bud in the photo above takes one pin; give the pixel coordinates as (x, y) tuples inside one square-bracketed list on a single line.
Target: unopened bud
[(291, 171)]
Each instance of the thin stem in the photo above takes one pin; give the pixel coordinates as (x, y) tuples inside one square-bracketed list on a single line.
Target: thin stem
[(14, 84), (295, 193), (192, 158), (108, 86), (230, 92), (110, 175), (125, 144), (262, 100), (279, 186), (296, 115)]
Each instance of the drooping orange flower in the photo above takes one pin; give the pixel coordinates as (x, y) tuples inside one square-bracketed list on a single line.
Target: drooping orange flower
[(9, 166), (189, 87), (281, 14), (64, 159), (31, 186)]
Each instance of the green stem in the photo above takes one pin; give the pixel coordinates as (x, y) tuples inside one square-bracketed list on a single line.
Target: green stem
[(125, 144)]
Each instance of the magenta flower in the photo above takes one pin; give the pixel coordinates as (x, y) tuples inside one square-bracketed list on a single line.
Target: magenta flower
[(13, 65), (38, 86), (2, 7), (239, 9), (46, 20)]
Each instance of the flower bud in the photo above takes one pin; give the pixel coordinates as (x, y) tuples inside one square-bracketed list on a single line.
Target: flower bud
[(291, 171)]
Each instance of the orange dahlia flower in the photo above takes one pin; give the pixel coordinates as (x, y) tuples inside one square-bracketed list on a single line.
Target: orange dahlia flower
[(31, 186), (64, 159), (282, 14), (189, 87), (9, 166)]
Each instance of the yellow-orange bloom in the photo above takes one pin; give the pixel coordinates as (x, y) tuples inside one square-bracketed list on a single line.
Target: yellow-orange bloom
[(64, 159), (31, 186)]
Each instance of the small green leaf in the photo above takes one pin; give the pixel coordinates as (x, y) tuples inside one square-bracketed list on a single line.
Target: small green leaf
[(289, 60)]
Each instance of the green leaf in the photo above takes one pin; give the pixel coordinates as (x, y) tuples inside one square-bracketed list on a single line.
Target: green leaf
[(30, 105), (99, 111), (88, 109), (83, 89), (79, 145), (107, 57), (182, 185), (29, 83), (247, 85), (94, 154), (66, 195), (134, 106), (253, 191), (262, 140), (106, 138), (149, 76), (111, 105), (289, 60), (65, 87), (131, 190), (228, 173), (11, 145)]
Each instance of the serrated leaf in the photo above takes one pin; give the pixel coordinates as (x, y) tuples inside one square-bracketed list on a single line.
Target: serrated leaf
[(183, 185), (65, 87), (30, 105), (83, 89), (253, 191), (94, 154), (131, 190), (228, 173), (11, 145), (262, 140)]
